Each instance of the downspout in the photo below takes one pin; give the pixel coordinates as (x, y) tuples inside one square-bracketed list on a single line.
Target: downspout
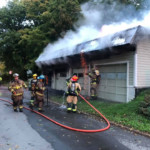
[(135, 72), (54, 84)]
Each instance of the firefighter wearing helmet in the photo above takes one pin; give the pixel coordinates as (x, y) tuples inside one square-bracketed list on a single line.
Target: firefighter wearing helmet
[(95, 79), (33, 90), (16, 87), (74, 89), (39, 94)]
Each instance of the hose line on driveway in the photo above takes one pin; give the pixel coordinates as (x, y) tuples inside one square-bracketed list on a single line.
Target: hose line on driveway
[(67, 127)]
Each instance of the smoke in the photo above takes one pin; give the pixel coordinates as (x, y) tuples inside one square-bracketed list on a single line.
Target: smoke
[(99, 20)]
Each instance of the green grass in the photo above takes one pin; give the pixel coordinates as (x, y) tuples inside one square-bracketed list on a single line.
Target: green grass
[(123, 113)]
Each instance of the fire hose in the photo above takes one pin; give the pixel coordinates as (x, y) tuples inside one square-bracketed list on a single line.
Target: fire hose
[(67, 127)]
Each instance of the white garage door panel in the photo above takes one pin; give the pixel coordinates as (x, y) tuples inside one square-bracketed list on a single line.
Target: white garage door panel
[(120, 68), (101, 89), (110, 89), (121, 83), (120, 98), (113, 82), (121, 90), (102, 95), (103, 82), (110, 96)]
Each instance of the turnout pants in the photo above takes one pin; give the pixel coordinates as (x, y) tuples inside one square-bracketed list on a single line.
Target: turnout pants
[(32, 101), (39, 101), (72, 103), (93, 90), (17, 102)]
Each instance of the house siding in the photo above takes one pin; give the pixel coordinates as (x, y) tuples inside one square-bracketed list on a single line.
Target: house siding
[(143, 64), (127, 57), (124, 58)]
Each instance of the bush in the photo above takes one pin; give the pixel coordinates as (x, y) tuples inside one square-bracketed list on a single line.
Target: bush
[(145, 106)]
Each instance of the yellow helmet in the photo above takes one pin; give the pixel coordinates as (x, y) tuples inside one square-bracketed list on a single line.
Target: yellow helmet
[(35, 75), (97, 72)]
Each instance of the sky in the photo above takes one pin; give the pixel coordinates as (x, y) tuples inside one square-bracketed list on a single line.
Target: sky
[(3, 3)]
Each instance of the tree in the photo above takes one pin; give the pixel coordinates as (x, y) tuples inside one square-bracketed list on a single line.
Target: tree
[(12, 17), (2, 68), (27, 26), (53, 17)]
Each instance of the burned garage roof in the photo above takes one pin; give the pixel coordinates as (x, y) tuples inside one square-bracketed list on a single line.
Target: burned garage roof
[(127, 37), (119, 38)]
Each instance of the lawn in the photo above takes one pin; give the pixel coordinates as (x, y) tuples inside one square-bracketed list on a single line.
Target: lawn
[(121, 113)]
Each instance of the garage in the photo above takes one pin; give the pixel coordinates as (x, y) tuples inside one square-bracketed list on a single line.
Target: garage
[(113, 85), (120, 63)]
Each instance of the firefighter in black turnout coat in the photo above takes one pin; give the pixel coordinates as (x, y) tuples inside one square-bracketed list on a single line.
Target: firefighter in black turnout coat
[(95, 79), (74, 89)]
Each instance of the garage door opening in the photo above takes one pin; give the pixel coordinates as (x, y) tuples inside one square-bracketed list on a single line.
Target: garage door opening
[(113, 85)]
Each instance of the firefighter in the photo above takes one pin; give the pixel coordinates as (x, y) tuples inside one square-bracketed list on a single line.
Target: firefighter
[(16, 87), (95, 79), (68, 80), (33, 90), (39, 94), (74, 89)]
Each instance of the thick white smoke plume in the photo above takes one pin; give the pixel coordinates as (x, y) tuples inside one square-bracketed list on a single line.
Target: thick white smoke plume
[(98, 21)]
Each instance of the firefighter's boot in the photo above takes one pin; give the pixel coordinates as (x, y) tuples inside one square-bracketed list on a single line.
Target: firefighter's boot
[(31, 104), (40, 110), (92, 97), (69, 109), (21, 108), (15, 109), (74, 108)]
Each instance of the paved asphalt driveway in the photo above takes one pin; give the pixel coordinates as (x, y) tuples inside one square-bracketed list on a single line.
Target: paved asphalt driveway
[(29, 131)]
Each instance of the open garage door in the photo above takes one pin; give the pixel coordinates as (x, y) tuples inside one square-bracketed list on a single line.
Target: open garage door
[(113, 85), (83, 80)]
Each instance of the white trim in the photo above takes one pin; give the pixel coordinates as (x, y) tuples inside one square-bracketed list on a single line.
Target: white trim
[(112, 63), (54, 79), (135, 70), (127, 83), (131, 86), (127, 80), (70, 72), (142, 87)]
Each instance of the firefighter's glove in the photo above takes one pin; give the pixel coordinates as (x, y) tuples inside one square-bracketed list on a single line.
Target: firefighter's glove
[(14, 92), (43, 88), (78, 90), (66, 93)]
